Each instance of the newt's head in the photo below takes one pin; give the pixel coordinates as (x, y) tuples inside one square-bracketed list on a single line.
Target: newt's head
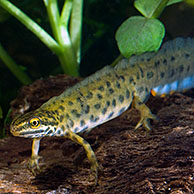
[(35, 124)]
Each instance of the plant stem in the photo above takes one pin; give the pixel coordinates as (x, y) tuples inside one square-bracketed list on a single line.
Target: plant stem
[(32, 26), (53, 15), (66, 12), (63, 47), (14, 68), (76, 27), (60, 30)]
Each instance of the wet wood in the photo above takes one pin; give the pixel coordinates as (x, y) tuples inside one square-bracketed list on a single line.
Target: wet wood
[(131, 161)]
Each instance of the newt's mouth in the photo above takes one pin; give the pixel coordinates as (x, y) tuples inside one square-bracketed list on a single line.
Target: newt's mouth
[(27, 134)]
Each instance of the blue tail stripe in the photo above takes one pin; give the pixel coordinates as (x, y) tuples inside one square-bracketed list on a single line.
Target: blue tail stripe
[(174, 85), (178, 85)]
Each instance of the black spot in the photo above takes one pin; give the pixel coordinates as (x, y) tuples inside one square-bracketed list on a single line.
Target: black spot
[(79, 100), (122, 78), (62, 127), (187, 55), (81, 94), (104, 111), (87, 109), (110, 115), (71, 123), (99, 96), (121, 98), (67, 115), (108, 103), (74, 112), (148, 59), (108, 83), (111, 91), (67, 134), (164, 62), (131, 80), (84, 129), (67, 126), (55, 129), (141, 71), (51, 116), (127, 94), (82, 123), (157, 63), (118, 85), (56, 112), (70, 103), (101, 88), (62, 100), (59, 132), (162, 74), (50, 132), (121, 110), (172, 58), (150, 75), (61, 118), (140, 103), (96, 119), (52, 123), (61, 107), (76, 130), (89, 95), (113, 102), (142, 59), (52, 113), (47, 129), (91, 118), (97, 106)]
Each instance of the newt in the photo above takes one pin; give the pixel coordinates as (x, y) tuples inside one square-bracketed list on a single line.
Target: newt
[(107, 94)]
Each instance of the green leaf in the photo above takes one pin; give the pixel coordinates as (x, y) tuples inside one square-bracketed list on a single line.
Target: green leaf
[(137, 35), (151, 8), (170, 2)]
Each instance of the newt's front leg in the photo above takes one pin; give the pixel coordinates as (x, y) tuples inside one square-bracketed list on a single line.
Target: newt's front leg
[(33, 163), (145, 113)]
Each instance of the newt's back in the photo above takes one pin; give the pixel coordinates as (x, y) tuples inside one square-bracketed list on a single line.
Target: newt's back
[(169, 69)]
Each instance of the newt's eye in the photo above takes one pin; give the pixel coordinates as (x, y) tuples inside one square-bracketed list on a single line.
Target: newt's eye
[(34, 122)]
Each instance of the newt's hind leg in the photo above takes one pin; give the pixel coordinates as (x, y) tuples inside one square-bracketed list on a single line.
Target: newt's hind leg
[(145, 113), (89, 152)]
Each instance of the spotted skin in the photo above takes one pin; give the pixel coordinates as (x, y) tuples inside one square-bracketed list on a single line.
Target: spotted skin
[(107, 94)]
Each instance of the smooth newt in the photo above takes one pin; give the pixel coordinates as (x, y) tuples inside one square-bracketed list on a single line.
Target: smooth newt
[(107, 94)]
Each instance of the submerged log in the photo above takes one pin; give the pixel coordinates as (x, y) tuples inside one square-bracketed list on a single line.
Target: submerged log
[(131, 161)]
